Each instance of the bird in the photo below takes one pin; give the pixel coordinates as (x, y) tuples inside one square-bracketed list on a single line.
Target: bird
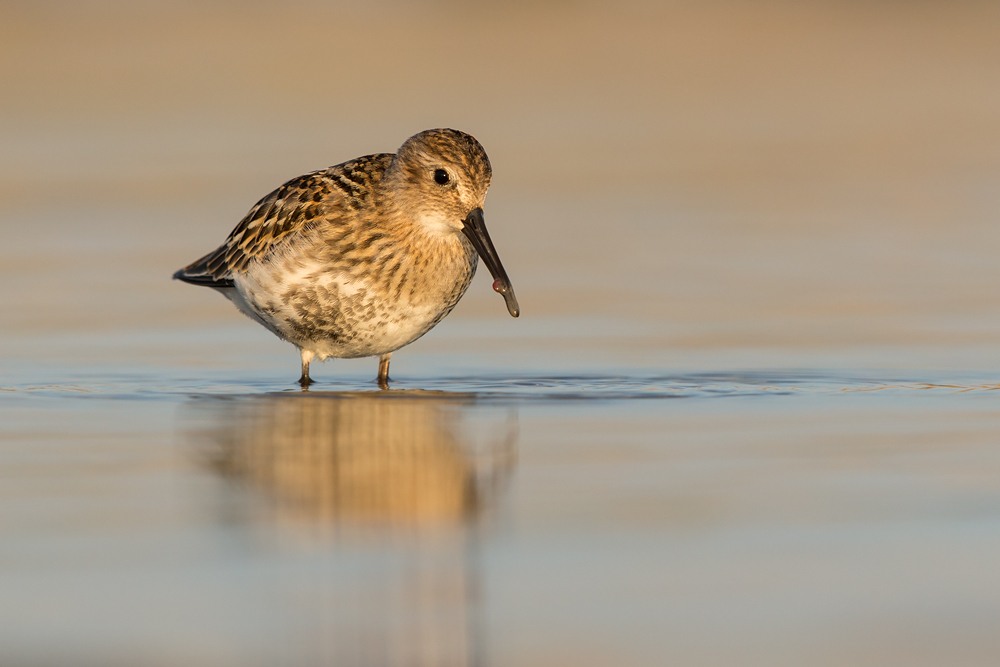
[(365, 257)]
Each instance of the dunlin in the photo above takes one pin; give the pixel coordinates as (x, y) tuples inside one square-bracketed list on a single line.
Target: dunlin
[(365, 257)]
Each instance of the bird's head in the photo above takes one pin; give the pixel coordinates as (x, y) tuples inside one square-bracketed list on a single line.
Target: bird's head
[(439, 179)]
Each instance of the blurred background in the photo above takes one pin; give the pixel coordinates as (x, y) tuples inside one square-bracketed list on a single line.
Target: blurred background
[(721, 194), (691, 176)]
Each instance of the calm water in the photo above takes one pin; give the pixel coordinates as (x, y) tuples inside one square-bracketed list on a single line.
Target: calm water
[(749, 415), (749, 517)]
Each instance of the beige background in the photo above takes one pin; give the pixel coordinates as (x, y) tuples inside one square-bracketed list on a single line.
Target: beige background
[(721, 175)]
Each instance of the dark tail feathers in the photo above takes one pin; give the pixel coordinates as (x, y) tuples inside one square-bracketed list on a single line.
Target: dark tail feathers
[(199, 273), (202, 279)]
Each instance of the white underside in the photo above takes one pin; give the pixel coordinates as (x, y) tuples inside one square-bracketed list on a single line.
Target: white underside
[(395, 324)]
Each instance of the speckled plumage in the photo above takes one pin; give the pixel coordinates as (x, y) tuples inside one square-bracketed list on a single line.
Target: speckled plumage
[(364, 257)]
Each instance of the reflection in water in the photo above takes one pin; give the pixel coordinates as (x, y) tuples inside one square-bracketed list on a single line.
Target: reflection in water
[(368, 458), (387, 462)]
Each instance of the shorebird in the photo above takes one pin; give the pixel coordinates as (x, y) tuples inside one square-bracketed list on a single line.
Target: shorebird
[(365, 257)]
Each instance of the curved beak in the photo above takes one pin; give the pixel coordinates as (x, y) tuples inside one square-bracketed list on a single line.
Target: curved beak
[(475, 228)]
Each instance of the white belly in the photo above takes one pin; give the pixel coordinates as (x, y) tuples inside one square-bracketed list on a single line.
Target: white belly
[(340, 315)]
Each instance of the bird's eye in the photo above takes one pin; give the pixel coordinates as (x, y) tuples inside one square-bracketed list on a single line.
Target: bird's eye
[(440, 176)]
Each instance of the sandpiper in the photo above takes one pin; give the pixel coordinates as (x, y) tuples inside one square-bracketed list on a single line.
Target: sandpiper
[(365, 257)]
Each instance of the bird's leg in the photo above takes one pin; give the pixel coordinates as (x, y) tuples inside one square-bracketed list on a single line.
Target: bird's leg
[(305, 380), (383, 370)]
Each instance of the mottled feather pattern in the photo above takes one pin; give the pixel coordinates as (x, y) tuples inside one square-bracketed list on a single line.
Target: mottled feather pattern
[(364, 257), (296, 206)]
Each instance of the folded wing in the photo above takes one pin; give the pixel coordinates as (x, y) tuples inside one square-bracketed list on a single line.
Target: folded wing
[(295, 207)]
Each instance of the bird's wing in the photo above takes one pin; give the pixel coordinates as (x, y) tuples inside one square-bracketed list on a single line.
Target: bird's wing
[(296, 206)]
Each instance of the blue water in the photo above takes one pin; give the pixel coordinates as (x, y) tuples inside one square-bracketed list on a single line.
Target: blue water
[(481, 519), (496, 385)]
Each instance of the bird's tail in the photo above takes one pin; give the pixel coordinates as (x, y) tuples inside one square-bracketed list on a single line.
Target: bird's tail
[(205, 271)]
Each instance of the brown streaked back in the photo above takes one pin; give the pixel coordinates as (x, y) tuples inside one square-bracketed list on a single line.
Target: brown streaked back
[(296, 206)]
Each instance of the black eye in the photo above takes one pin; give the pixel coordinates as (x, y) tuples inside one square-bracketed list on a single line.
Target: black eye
[(440, 176)]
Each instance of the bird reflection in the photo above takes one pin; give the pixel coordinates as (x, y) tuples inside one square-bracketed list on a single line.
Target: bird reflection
[(397, 458), (394, 459)]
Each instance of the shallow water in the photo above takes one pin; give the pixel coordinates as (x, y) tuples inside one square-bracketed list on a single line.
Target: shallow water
[(748, 517), (748, 415)]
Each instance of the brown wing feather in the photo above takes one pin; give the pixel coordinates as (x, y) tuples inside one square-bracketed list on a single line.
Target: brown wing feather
[(295, 206)]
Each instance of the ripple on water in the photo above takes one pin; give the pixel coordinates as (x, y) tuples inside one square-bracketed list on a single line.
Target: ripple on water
[(520, 388)]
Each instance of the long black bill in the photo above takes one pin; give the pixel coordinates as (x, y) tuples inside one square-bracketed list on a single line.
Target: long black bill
[(475, 228)]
